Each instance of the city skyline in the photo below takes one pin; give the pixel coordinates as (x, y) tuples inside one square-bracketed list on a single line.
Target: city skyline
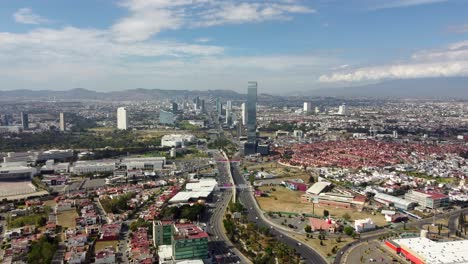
[(219, 45)]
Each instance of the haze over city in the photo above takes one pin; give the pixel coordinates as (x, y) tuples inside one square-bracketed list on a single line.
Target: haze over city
[(200, 45), (234, 132)]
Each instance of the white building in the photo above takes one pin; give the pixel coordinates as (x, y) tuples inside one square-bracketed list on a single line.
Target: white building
[(307, 108), (342, 109), (298, 133), (244, 114), (83, 167), (8, 173), (122, 119), (148, 164), (62, 122), (177, 140), (363, 225)]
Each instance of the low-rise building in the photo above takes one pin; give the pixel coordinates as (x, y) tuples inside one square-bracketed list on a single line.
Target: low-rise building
[(429, 199), (363, 225)]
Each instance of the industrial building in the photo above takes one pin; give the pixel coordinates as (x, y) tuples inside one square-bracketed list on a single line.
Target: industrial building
[(14, 172), (84, 167), (390, 200)]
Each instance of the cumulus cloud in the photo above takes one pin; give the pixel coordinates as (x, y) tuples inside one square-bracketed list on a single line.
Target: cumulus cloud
[(26, 16), (448, 62)]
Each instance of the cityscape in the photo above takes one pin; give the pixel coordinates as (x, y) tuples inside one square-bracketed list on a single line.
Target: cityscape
[(214, 164)]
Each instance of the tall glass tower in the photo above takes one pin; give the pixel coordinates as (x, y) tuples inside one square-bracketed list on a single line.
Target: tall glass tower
[(252, 112)]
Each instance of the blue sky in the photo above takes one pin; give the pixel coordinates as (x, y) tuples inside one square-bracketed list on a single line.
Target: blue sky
[(286, 45)]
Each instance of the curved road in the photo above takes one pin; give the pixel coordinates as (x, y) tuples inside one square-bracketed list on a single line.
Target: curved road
[(245, 197)]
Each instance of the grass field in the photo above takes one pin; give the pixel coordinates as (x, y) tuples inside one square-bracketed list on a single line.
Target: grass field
[(290, 201), (103, 244), (67, 218)]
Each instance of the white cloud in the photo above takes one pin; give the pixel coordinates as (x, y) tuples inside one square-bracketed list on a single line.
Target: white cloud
[(203, 40), (448, 62), (26, 16), (402, 3), (149, 17), (459, 29)]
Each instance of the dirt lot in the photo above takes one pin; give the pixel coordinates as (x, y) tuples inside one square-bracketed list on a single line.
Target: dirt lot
[(67, 218), (290, 201), (328, 244), (103, 244), (280, 170)]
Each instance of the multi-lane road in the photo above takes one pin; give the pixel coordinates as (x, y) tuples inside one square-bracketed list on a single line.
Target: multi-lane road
[(246, 198)]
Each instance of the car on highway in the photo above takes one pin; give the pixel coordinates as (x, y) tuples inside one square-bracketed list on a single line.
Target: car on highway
[(299, 243)]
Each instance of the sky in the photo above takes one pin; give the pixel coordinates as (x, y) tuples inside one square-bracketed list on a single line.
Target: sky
[(286, 45)]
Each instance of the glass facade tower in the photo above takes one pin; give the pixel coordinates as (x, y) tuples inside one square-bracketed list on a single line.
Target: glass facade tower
[(252, 112)]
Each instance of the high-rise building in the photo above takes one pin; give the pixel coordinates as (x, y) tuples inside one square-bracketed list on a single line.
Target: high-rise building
[(175, 107), (342, 110), (307, 108), (202, 105), (218, 105), (24, 120), (244, 114), (252, 112), (229, 105), (122, 119), (62, 122)]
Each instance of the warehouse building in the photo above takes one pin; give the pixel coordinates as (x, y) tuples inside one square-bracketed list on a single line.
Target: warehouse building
[(421, 250), (390, 200)]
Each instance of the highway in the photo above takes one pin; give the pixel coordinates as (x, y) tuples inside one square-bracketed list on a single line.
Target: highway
[(246, 198), (220, 245)]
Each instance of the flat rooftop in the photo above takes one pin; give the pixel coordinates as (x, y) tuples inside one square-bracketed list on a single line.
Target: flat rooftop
[(453, 252)]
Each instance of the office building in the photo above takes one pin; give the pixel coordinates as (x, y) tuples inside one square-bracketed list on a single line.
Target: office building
[(218, 105), (166, 117), (189, 241), (202, 105), (24, 120), (244, 114), (122, 118), (229, 105), (162, 233), (428, 199), (250, 147), (175, 107), (252, 112), (62, 122), (342, 109), (307, 108)]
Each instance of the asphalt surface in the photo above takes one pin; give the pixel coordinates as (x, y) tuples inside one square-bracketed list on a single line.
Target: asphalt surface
[(245, 197)]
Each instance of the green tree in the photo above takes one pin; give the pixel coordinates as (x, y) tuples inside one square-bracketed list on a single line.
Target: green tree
[(308, 229), (348, 230), (326, 213)]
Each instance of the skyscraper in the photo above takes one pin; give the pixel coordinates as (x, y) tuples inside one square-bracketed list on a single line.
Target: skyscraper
[(244, 114), (342, 110), (62, 122), (229, 105), (175, 107), (252, 112), (307, 107), (122, 119), (24, 120), (250, 147)]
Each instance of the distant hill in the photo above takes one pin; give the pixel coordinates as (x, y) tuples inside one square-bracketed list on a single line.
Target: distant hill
[(138, 94), (456, 88)]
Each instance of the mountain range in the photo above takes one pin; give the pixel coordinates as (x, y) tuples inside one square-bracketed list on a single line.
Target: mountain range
[(441, 88)]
